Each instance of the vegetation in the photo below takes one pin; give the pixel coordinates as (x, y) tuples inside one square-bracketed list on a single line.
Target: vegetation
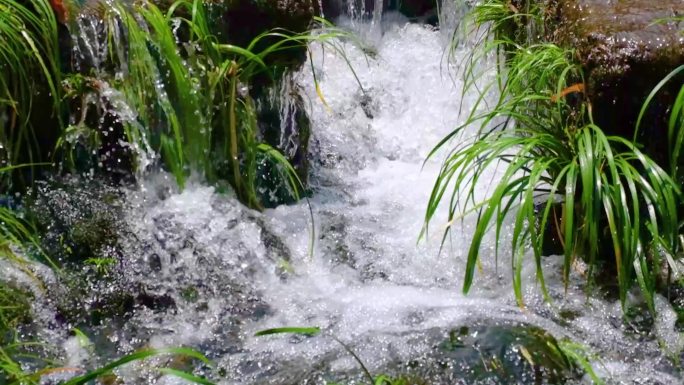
[(172, 87), (17, 347), (30, 75), (561, 176), (167, 85)]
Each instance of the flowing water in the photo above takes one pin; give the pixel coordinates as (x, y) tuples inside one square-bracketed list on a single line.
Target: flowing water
[(213, 273)]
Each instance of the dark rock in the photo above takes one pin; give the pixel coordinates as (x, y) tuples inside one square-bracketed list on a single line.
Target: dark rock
[(79, 220), (502, 353), (483, 353), (417, 10), (117, 305), (240, 21), (158, 303), (625, 47), (284, 125), (333, 8)]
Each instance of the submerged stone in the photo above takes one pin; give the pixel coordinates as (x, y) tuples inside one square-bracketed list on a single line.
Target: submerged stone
[(499, 353), (481, 353)]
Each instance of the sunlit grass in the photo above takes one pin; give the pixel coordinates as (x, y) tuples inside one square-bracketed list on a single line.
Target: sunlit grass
[(611, 204), (192, 95)]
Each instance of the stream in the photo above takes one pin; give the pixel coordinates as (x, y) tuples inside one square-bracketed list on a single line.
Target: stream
[(213, 273)]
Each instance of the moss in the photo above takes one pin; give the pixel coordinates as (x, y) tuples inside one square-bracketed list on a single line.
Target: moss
[(79, 221), (190, 294)]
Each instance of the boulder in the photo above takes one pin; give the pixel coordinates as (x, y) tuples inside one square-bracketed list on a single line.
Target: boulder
[(79, 221), (240, 21), (626, 48), (417, 10)]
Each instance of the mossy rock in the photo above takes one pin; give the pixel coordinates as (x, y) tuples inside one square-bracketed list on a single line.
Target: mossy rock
[(484, 352), (501, 353), (238, 22), (625, 48), (80, 219)]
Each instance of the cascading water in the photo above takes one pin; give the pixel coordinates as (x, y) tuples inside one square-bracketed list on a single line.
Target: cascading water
[(210, 273)]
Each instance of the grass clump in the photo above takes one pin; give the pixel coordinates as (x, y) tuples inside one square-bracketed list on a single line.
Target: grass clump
[(163, 82), (30, 75), (560, 175), (191, 92)]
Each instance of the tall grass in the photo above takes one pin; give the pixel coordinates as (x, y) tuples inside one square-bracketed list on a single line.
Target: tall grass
[(606, 201), (191, 92), (29, 64)]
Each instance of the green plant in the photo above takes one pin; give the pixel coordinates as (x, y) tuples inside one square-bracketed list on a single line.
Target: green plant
[(520, 21), (101, 265), (141, 355), (191, 94), (581, 357), (15, 235), (599, 190), (675, 126), (29, 65)]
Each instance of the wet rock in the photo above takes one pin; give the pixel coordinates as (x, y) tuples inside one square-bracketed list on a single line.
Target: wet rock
[(332, 8), (369, 105), (79, 220), (425, 10), (158, 303), (626, 48), (240, 21), (103, 310), (500, 353), (416, 10), (481, 353), (83, 226), (284, 125)]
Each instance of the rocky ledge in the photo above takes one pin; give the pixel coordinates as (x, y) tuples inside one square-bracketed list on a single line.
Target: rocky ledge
[(626, 48)]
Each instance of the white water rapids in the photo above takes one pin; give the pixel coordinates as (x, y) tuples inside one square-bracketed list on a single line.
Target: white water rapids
[(232, 272)]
